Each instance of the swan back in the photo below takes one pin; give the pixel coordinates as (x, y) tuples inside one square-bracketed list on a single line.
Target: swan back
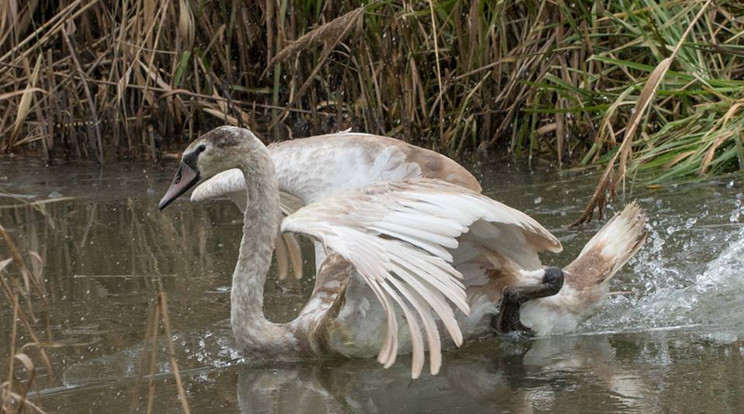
[(317, 167)]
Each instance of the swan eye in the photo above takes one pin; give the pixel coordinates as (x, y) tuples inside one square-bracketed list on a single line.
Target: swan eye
[(190, 159)]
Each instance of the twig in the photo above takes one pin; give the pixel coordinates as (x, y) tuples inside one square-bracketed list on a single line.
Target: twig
[(153, 355)]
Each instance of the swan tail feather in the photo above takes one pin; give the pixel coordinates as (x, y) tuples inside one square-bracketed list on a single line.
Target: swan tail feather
[(609, 249)]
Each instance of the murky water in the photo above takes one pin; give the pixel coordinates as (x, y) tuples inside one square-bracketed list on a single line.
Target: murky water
[(670, 338)]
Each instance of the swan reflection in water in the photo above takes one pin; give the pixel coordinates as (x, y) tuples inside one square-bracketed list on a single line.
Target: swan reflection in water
[(676, 370), (519, 377)]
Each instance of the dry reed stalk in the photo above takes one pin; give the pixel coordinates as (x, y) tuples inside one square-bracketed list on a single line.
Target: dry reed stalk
[(158, 316), (88, 95), (153, 355), (163, 301), (330, 35), (25, 105), (610, 179), (440, 99), (12, 399)]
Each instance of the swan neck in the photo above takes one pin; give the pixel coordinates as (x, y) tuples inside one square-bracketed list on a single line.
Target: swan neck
[(260, 224)]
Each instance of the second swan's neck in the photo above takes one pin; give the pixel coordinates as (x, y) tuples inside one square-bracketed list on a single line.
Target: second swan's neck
[(261, 220)]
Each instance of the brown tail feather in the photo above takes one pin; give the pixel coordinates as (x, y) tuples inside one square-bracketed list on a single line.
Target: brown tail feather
[(609, 249)]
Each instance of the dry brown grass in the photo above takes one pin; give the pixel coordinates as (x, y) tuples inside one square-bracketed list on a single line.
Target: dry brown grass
[(101, 80)]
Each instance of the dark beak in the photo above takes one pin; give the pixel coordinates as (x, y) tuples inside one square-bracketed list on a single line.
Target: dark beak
[(185, 178)]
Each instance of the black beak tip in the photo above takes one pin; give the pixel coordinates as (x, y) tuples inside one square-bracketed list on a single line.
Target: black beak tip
[(184, 179)]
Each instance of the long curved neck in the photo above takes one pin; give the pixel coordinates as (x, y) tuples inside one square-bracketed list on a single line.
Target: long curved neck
[(261, 220)]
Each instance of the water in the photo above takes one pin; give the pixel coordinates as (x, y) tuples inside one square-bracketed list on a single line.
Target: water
[(670, 338)]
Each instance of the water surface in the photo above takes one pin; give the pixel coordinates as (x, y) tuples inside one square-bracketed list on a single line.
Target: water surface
[(670, 338)]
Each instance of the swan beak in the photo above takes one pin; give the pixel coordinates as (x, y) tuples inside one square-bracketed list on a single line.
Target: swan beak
[(185, 178)]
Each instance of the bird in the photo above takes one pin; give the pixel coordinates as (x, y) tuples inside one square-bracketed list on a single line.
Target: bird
[(313, 168), (444, 255)]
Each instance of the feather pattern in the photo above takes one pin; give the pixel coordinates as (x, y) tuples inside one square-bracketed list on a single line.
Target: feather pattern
[(399, 236), (316, 167)]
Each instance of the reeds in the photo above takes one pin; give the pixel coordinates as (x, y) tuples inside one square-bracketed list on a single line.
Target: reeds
[(158, 314), (556, 79), (19, 288)]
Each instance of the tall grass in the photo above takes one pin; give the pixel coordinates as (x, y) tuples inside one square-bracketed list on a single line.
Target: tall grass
[(556, 79)]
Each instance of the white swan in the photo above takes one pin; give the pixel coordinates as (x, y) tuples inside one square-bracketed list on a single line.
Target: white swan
[(445, 255)]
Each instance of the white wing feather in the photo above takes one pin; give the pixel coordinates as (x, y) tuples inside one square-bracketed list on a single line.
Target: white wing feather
[(222, 184), (231, 184), (399, 237)]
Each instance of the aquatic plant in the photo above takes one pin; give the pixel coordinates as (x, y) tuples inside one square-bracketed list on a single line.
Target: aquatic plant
[(558, 80)]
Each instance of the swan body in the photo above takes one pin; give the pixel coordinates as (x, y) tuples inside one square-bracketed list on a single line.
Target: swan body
[(402, 259)]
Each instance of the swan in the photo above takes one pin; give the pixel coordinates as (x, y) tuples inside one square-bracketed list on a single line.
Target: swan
[(310, 169), (446, 256)]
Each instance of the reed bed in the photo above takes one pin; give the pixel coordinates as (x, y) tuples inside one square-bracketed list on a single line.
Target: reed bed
[(555, 79)]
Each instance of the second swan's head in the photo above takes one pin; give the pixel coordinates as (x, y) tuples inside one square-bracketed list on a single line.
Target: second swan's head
[(218, 150)]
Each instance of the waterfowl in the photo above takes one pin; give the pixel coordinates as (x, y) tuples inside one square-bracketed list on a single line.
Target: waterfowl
[(445, 255), (310, 169)]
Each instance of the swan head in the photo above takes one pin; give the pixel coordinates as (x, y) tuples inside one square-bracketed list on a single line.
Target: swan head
[(218, 150)]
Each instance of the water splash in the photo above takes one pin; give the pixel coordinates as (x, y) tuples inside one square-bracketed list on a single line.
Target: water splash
[(669, 289), (209, 348)]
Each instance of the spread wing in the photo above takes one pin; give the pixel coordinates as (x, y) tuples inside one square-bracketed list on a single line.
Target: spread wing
[(230, 183), (399, 236)]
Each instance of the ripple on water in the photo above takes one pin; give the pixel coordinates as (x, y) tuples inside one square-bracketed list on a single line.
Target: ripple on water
[(206, 349)]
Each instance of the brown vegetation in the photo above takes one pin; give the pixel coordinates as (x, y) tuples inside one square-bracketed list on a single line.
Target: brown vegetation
[(103, 80)]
